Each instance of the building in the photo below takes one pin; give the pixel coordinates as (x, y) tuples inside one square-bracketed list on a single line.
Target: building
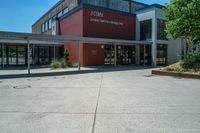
[(112, 19)]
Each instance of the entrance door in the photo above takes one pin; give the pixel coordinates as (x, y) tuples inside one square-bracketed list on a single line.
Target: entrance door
[(147, 55), (124, 55), (109, 55), (43, 55)]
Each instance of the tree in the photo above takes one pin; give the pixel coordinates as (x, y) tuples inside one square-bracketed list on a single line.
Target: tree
[(183, 19)]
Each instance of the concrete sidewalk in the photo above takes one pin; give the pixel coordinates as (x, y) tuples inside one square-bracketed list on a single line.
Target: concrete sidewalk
[(121, 101)]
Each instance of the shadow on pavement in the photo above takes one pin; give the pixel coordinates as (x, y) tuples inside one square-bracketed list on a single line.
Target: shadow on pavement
[(71, 72)]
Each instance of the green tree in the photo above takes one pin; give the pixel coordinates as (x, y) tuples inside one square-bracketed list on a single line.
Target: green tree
[(183, 19)]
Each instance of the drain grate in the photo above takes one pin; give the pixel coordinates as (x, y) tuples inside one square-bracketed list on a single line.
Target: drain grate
[(33, 79), (22, 87), (150, 75)]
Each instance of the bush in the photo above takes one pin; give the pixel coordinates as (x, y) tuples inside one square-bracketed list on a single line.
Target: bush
[(190, 59), (175, 69), (63, 63), (55, 64), (66, 57)]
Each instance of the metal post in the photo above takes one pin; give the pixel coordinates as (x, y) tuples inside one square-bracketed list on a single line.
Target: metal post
[(28, 56), (2, 55), (115, 54), (79, 56), (33, 54), (144, 59), (54, 51)]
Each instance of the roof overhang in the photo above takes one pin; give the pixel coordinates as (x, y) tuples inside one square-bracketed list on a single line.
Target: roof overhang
[(6, 37)]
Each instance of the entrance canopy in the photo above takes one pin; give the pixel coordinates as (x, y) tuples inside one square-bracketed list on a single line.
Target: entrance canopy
[(57, 40), (60, 39)]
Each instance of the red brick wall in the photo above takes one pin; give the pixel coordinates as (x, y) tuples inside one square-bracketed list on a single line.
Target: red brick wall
[(123, 29), (73, 25), (80, 24), (105, 30)]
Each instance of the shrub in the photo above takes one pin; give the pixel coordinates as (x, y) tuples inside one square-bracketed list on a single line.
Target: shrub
[(55, 64), (66, 56), (63, 63), (190, 59)]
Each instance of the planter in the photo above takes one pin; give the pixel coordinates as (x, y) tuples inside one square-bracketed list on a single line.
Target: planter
[(174, 74)]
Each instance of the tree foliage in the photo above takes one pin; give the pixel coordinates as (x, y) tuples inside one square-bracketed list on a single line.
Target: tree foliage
[(183, 19)]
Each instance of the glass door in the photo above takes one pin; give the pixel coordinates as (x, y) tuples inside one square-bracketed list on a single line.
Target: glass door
[(109, 55), (43, 55), (147, 55), (124, 55)]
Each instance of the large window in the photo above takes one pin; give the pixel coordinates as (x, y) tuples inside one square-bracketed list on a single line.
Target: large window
[(101, 3), (21, 52), (161, 34), (49, 23), (42, 28), (66, 10), (146, 29)]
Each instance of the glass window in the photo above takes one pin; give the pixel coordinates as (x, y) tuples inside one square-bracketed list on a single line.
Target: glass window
[(49, 23), (59, 14), (42, 28), (72, 4), (101, 3), (54, 18), (12, 56), (161, 34), (120, 5), (66, 10), (46, 26), (146, 30), (161, 54), (21, 50)]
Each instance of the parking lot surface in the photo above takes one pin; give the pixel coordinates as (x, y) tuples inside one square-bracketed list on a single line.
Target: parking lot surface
[(108, 101)]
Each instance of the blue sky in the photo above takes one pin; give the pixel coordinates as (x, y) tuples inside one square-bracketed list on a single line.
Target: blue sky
[(19, 15)]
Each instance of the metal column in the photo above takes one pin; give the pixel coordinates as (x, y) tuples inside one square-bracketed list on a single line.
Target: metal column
[(28, 56), (2, 55), (79, 56), (115, 54), (144, 58)]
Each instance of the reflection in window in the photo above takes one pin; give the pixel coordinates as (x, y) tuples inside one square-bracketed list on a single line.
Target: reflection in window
[(12, 55), (161, 34), (161, 54), (101, 3), (65, 10), (21, 50), (49, 23), (59, 14), (146, 29)]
